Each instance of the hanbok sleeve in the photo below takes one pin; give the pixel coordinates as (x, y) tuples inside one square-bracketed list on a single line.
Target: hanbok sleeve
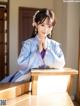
[(54, 56), (23, 58), (27, 59)]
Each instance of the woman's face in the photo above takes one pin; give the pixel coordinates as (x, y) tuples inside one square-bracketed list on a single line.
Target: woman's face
[(45, 28)]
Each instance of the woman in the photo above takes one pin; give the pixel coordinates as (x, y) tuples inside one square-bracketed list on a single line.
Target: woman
[(39, 51)]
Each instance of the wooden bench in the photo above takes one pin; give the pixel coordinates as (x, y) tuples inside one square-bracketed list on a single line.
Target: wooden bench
[(12, 90)]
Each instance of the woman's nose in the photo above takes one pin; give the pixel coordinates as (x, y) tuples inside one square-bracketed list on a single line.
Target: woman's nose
[(45, 28)]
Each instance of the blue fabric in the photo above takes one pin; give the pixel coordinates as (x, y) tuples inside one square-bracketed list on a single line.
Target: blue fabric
[(30, 57)]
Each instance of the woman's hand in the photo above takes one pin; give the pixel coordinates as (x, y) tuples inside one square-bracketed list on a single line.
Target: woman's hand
[(41, 43)]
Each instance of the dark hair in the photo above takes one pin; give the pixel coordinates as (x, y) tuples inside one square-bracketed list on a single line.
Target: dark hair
[(40, 16)]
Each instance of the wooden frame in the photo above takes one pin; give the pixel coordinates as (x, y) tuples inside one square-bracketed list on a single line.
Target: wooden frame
[(78, 83)]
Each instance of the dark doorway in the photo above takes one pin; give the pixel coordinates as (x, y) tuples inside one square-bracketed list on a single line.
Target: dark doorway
[(25, 24)]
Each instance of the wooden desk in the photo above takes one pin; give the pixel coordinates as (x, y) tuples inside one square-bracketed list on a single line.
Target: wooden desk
[(58, 99), (48, 81)]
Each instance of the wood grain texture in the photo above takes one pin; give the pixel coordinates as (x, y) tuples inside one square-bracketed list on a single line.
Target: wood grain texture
[(12, 90)]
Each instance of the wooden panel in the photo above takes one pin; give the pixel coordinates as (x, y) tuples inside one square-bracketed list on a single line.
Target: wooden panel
[(1, 26), (2, 45)]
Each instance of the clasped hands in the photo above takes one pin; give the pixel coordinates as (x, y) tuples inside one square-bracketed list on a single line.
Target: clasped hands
[(42, 43)]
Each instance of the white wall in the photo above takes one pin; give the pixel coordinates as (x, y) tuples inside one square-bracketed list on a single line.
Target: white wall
[(60, 31), (14, 5), (73, 25), (67, 33), (3, 0), (67, 30)]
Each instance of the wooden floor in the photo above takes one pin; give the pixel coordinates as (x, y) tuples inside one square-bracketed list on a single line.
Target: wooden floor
[(58, 99), (31, 102)]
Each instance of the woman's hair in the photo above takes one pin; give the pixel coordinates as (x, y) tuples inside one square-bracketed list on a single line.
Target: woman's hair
[(40, 16)]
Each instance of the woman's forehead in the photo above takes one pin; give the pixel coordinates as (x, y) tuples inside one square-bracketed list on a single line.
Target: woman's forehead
[(48, 21)]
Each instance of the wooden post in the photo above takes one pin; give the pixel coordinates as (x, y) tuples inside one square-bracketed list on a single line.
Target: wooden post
[(78, 83)]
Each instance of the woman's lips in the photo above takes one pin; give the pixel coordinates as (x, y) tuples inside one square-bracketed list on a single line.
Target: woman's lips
[(44, 33)]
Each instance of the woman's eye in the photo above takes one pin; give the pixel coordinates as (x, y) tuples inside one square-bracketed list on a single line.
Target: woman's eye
[(49, 26), (42, 25)]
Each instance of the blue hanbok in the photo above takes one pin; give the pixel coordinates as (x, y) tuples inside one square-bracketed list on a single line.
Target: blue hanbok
[(30, 58)]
